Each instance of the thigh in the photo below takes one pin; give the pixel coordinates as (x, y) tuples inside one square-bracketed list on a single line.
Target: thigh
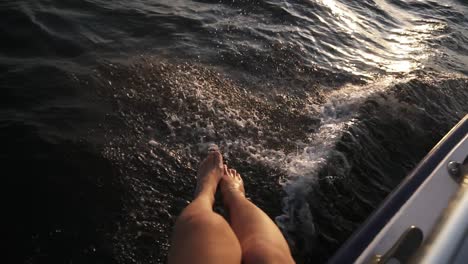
[(204, 238)]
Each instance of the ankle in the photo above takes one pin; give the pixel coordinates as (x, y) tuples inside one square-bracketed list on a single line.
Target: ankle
[(207, 187), (231, 197), (205, 194)]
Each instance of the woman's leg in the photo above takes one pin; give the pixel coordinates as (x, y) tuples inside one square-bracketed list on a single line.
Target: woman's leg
[(261, 240), (200, 235)]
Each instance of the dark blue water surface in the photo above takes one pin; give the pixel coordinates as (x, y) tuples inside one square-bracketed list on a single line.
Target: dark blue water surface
[(108, 106)]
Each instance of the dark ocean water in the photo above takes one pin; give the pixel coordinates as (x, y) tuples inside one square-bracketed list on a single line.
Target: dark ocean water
[(108, 106)]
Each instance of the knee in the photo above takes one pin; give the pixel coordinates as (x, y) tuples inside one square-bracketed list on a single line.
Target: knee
[(265, 252), (203, 219)]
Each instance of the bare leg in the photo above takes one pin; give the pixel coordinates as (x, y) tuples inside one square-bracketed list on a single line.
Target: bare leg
[(261, 240), (200, 235)]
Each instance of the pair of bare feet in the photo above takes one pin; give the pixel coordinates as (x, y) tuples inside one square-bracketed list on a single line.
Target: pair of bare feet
[(250, 236), (214, 172)]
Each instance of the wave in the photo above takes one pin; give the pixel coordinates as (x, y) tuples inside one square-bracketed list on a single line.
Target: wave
[(362, 154)]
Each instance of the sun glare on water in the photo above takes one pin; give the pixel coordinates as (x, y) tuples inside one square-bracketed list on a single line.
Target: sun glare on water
[(400, 49)]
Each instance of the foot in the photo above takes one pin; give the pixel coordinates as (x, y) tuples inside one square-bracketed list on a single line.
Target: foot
[(209, 174), (232, 185)]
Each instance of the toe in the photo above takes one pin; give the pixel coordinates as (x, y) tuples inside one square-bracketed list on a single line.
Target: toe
[(213, 147)]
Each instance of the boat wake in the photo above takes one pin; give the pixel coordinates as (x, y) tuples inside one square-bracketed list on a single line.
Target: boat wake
[(318, 161)]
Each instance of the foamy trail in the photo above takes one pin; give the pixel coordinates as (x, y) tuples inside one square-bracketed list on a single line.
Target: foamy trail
[(338, 113)]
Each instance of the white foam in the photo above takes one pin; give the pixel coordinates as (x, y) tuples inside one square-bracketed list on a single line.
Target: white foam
[(337, 114)]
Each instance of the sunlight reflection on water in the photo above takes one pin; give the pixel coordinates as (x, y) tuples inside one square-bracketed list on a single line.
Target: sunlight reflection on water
[(393, 50)]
